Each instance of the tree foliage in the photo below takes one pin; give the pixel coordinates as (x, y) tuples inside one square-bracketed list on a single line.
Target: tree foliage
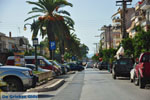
[(140, 43)]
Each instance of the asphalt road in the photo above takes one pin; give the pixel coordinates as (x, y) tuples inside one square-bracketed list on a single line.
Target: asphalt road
[(93, 84)]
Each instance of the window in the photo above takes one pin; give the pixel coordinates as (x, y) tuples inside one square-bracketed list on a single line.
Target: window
[(42, 63), (146, 58)]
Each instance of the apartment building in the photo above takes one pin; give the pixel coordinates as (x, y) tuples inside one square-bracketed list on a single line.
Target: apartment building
[(9, 43), (6, 43), (117, 25), (145, 7)]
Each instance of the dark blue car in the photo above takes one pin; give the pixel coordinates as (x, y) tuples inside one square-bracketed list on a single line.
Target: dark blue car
[(75, 67)]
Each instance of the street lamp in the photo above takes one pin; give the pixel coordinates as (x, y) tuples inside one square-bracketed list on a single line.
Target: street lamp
[(35, 43)]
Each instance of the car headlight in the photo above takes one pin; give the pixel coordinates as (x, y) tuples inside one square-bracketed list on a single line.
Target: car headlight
[(28, 73)]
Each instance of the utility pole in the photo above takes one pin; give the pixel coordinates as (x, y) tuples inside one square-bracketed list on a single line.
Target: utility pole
[(109, 29), (124, 4), (96, 47)]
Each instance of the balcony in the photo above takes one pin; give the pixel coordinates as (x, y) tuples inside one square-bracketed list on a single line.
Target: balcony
[(145, 23), (145, 4), (137, 6), (116, 19)]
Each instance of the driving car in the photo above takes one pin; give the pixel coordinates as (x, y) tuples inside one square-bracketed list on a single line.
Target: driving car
[(89, 65), (103, 65)]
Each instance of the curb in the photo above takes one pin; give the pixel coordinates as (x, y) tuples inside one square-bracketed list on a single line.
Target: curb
[(72, 72), (51, 87)]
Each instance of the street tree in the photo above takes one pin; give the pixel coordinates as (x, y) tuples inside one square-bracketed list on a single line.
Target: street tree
[(52, 21)]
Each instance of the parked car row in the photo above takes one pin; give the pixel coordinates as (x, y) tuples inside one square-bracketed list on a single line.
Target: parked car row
[(139, 72), (21, 78)]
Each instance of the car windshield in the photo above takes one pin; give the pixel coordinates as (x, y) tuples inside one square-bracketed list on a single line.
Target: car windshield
[(49, 63), (146, 58), (126, 62)]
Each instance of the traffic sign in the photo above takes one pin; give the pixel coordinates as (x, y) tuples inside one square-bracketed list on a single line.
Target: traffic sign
[(52, 45)]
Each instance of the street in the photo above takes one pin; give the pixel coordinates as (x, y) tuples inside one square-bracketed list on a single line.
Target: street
[(93, 84)]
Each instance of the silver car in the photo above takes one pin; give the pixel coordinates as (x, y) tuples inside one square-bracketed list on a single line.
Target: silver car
[(17, 78)]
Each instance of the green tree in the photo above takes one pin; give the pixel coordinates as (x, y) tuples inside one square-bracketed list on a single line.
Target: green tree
[(128, 46), (52, 22)]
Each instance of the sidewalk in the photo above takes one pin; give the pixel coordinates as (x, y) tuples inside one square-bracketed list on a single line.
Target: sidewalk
[(51, 85)]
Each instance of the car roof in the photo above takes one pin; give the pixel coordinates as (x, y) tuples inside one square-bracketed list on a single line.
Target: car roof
[(26, 57)]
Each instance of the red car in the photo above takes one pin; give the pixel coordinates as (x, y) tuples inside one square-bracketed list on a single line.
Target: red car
[(142, 70), (42, 62)]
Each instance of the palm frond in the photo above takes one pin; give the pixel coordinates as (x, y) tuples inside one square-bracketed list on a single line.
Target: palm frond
[(36, 3), (64, 12), (62, 3), (32, 17), (69, 21)]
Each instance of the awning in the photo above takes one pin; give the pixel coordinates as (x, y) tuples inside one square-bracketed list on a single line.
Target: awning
[(120, 51)]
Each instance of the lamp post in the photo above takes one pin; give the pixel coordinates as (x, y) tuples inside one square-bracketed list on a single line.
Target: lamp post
[(35, 43)]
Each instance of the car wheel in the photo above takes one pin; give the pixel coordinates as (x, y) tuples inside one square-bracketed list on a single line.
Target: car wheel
[(14, 85), (136, 80), (110, 70), (100, 68), (131, 80), (141, 82)]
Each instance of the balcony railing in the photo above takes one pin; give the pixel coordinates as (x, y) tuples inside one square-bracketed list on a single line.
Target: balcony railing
[(144, 23), (145, 4), (116, 19)]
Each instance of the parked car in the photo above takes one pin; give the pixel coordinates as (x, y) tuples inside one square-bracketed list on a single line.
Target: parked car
[(17, 78), (33, 67), (142, 70), (67, 66), (3, 86), (103, 65), (54, 63), (122, 67), (132, 73), (42, 62), (63, 68), (75, 67)]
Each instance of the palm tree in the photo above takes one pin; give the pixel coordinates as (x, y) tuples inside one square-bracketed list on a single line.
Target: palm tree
[(52, 22)]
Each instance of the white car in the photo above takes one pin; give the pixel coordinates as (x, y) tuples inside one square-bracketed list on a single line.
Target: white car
[(132, 73)]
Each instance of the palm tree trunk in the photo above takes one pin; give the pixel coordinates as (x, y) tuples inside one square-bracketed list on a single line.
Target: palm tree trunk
[(51, 37)]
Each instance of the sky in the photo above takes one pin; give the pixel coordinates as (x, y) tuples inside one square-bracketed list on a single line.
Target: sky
[(89, 16)]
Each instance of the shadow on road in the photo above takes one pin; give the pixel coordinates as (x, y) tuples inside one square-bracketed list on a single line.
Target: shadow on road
[(147, 87), (62, 77), (123, 78), (45, 96)]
